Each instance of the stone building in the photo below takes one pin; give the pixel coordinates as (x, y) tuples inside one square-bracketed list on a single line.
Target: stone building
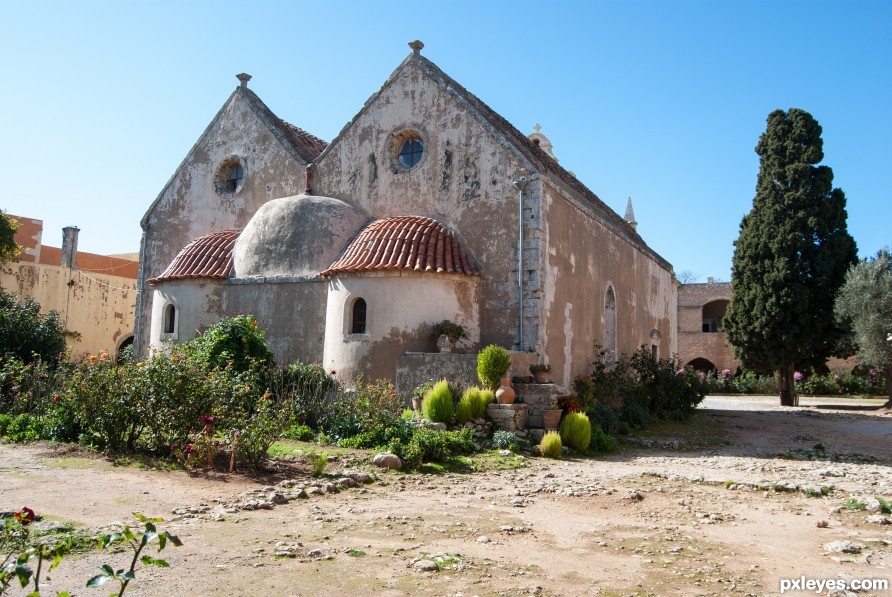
[(95, 295), (701, 340), (428, 205)]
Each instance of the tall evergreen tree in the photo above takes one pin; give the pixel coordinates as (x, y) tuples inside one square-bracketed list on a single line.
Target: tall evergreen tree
[(791, 256), (865, 303)]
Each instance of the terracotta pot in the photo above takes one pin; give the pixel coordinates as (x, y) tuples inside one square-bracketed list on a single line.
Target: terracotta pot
[(541, 376), (551, 419), (505, 394)]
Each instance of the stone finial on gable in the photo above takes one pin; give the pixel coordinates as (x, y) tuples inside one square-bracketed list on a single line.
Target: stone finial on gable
[(244, 78), (630, 215), (416, 46)]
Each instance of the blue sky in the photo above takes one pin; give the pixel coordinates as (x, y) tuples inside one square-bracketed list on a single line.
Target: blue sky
[(659, 101)]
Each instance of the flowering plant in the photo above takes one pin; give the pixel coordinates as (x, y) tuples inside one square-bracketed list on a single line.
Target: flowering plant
[(537, 367), (569, 404)]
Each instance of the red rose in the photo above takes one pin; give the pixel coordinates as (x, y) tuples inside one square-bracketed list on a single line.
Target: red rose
[(26, 516)]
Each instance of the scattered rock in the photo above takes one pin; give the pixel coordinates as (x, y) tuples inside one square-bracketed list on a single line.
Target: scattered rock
[(483, 539), (844, 546), (426, 566), (388, 460), (877, 519)]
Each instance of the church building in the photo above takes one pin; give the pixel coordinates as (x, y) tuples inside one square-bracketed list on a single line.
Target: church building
[(427, 206)]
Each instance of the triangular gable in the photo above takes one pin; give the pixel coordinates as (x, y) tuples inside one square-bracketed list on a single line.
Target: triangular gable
[(301, 145), (528, 152)]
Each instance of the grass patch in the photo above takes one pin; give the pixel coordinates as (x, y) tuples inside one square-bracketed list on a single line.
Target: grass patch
[(355, 553)]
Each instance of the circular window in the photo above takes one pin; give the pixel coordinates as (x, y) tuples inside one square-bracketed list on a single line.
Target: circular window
[(411, 152), (406, 149), (230, 176)]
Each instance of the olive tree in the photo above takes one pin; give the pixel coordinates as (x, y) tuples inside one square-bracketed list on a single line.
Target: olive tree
[(864, 303)]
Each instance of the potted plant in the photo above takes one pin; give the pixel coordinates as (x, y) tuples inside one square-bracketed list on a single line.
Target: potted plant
[(493, 363), (446, 333), (540, 372)]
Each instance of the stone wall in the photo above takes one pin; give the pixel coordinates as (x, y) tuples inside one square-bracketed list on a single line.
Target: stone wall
[(415, 368)]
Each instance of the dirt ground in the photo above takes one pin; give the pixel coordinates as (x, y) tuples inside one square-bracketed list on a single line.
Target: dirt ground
[(728, 504)]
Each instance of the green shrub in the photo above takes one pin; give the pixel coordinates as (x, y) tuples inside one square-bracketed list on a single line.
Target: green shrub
[(460, 441), (633, 415), (300, 432), (234, 342), (576, 431), (251, 439), (601, 441), (551, 446), (504, 440), (604, 417), (473, 404), (493, 363), (20, 428), (369, 407), (431, 444), (26, 334), (318, 462), (437, 404), (484, 398), (309, 387), (464, 409)]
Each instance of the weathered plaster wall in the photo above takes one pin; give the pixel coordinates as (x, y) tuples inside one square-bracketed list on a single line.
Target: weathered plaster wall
[(189, 206), (583, 258), (693, 342), (198, 306), (416, 368), (464, 179), (291, 311), (400, 311), (98, 310)]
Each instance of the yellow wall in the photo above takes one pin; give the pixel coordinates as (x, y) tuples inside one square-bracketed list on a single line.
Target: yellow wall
[(96, 309)]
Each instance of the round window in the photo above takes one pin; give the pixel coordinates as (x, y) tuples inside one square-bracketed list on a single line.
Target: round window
[(230, 176), (405, 148), (411, 152)]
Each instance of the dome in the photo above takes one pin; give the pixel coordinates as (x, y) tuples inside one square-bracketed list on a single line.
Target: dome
[(295, 236)]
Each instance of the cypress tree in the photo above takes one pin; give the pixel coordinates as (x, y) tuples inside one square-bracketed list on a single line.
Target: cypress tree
[(791, 256)]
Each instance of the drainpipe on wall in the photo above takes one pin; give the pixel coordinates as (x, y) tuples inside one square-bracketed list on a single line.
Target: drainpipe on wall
[(521, 183), (69, 260)]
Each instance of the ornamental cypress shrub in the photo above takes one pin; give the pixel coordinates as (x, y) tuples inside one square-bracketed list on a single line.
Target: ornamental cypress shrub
[(551, 445), (437, 403), (576, 431)]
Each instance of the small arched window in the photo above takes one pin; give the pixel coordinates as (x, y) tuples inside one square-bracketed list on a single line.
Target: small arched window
[(170, 319), (358, 318)]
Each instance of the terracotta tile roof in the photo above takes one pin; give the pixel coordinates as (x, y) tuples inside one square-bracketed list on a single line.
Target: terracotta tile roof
[(307, 146), (208, 256), (414, 243)]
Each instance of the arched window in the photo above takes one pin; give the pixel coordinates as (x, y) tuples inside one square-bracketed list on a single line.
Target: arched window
[(170, 319), (358, 318), (610, 326)]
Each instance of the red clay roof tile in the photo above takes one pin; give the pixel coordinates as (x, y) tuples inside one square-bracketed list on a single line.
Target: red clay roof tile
[(405, 242), (208, 256)]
